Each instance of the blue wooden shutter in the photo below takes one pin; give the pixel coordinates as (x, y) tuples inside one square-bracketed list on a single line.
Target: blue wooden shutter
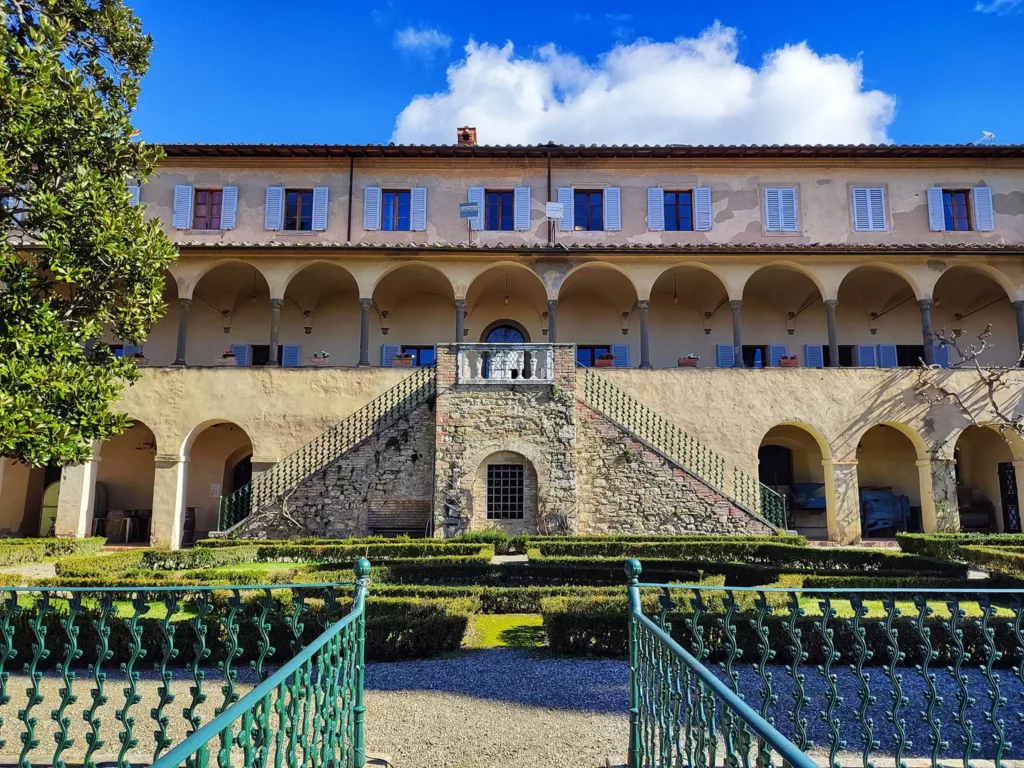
[(612, 209), (387, 352), (861, 210), (182, 218), (984, 215), (565, 198), (787, 199), (371, 208), (320, 195), (418, 209), (942, 355), (228, 207), (291, 356), (476, 195), (621, 354), (655, 209), (522, 209), (775, 353), (274, 208), (772, 210), (814, 356), (725, 356), (876, 209), (866, 355), (936, 216), (134, 192), (702, 209), (127, 350), (887, 356), (241, 353)]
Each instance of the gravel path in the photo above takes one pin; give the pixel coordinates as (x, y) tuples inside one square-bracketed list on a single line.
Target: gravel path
[(32, 570)]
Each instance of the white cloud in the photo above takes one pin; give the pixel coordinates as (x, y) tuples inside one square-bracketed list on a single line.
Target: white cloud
[(689, 91), (1000, 7), (426, 41)]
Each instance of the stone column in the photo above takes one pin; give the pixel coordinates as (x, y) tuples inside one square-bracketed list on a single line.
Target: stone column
[(275, 329), (1018, 308), (940, 512), (77, 497), (737, 332), (184, 307), (833, 335), (926, 330), (645, 334), (552, 320), (842, 500), (364, 331), (169, 483), (460, 321)]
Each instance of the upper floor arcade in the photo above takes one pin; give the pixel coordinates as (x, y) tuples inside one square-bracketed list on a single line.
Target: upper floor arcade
[(678, 196)]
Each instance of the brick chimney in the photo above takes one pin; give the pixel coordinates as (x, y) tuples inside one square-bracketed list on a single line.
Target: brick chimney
[(467, 136)]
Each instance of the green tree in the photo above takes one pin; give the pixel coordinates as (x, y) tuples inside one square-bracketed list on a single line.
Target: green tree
[(77, 259)]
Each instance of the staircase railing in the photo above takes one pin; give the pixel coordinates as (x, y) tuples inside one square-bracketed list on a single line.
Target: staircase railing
[(274, 484), (682, 448), (309, 712)]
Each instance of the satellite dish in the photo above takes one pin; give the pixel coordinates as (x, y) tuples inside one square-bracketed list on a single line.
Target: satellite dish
[(987, 137)]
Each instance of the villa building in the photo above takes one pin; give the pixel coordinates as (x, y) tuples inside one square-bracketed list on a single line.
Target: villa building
[(773, 305)]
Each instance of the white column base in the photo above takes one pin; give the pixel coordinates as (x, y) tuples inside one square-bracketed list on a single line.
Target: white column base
[(169, 483)]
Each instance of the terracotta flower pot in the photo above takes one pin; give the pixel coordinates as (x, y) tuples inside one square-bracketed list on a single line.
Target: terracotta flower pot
[(599, 363), (789, 363), (401, 362), (688, 362), (225, 360), (321, 361)]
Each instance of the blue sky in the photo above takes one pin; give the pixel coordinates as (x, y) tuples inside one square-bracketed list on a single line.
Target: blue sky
[(911, 71)]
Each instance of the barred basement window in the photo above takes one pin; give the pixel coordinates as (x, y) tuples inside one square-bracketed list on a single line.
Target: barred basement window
[(505, 492)]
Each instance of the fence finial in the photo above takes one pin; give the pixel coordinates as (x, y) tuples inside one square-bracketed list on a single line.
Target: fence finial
[(633, 569), (362, 569)]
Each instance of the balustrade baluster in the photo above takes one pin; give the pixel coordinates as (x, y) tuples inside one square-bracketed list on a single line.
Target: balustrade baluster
[(35, 696), (131, 690), (67, 696), (162, 667), (992, 657), (835, 743), (99, 698)]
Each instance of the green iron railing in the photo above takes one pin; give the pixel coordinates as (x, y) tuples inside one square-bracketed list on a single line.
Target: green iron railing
[(855, 674), (682, 448), (285, 476), (195, 641)]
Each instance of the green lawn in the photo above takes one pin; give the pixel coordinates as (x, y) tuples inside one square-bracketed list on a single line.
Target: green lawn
[(506, 630)]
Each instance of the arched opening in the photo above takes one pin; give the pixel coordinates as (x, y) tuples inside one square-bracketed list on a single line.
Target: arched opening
[(230, 311), (415, 307), (986, 482), (783, 315), (21, 502), (506, 294), (789, 460), (504, 494), (505, 332), (320, 314), (690, 315), (220, 462), (597, 311), (126, 471), (878, 320), (966, 301), (889, 483)]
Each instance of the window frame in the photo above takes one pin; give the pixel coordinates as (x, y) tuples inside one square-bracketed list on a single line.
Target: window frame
[(512, 208), (301, 192), (416, 349), (968, 208), (575, 210), (196, 192), (763, 207), (665, 205), (594, 350), (396, 218), (501, 505)]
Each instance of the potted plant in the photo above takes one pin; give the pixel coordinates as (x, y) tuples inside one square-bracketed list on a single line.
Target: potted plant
[(788, 362), (140, 359), (402, 360), (320, 358), (690, 361), (605, 360), (228, 358)]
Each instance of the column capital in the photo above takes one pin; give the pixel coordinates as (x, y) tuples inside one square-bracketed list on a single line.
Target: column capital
[(643, 303), (460, 303), (925, 303), (848, 462), (552, 302), (736, 303), (277, 303), (170, 459), (831, 302), (366, 303), (184, 303)]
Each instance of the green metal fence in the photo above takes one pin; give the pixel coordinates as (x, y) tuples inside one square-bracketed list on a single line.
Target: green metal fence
[(172, 695), (745, 675), (682, 448), (285, 476)]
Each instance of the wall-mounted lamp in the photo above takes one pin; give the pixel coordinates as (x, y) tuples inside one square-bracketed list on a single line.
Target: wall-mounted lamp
[(707, 323), (791, 323), (958, 324), (625, 322), (465, 332), (675, 290), (544, 315), (873, 326), (506, 289)]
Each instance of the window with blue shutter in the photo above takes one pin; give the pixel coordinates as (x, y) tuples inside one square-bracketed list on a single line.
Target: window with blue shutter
[(499, 211), (984, 214), (228, 207), (780, 209), (702, 209), (182, 218), (127, 350), (888, 357), (387, 354), (775, 353), (869, 209), (241, 353), (936, 216), (371, 208), (565, 195), (418, 213), (655, 209), (134, 193), (476, 195), (814, 356), (866, 356), (612, 209), (522, 208), (725, 356), (291, 356), (942, 355), (621, 354), (678, 211), (274, 210), (320, 195)]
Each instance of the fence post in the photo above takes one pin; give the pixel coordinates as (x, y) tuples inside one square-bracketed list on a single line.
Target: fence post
[(362, 570), (633, 570)]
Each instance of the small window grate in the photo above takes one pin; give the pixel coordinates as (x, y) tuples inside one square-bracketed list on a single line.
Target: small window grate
[(505, 492)]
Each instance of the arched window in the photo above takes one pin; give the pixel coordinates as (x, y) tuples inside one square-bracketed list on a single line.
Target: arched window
[(505, 334)]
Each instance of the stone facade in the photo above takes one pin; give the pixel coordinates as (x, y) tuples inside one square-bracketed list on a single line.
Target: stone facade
[(391, 472), (625, 487)]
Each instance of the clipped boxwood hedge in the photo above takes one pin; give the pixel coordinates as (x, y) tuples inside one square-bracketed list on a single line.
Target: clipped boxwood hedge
[(18, 551), (946, 546)]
